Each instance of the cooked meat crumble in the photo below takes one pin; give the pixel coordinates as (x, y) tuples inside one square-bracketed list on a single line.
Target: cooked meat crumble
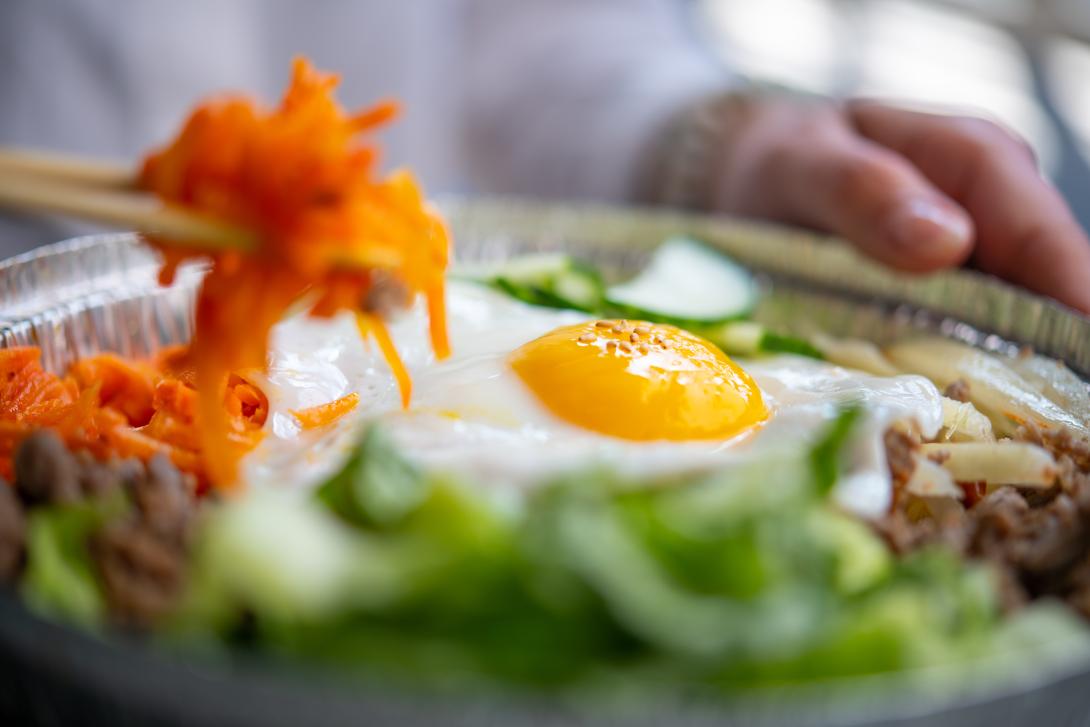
[(1037, 540), (141, 556), (958, 390), (45, 471), (142, 574), (12, 533), (142, 559), (901, 449)]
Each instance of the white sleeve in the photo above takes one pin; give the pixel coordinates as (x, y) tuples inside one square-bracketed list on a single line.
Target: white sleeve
[(564, 98)]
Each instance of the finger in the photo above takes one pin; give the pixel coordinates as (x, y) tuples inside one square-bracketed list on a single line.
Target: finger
[(1025, 231), (827, 176)]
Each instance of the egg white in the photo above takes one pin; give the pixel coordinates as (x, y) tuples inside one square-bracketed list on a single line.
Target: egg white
[(471, 414)]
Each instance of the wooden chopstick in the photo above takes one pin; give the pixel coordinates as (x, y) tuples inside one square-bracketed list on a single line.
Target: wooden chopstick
[(87, 170), (103, 192)]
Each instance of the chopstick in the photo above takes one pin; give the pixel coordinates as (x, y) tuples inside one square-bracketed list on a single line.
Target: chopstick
[(103, 192), (66, 167)]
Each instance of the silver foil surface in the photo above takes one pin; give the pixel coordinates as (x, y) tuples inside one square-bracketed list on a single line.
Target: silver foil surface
[(100, 293)]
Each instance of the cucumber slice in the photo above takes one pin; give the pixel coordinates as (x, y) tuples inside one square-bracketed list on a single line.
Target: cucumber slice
[(687, 283), (546, 279), (739, 338), (748, 338)]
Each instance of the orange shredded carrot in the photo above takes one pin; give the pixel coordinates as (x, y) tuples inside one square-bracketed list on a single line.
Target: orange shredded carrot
[(328, 413), (125, 385), (30, 394), (115, 407), (301, 176), (437, 316), (15, 358), (373, 325)]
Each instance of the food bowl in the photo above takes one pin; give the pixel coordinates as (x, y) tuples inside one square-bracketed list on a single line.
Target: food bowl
[(100, 293)]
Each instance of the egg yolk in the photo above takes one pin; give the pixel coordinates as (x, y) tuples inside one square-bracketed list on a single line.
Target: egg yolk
[(640, 381)]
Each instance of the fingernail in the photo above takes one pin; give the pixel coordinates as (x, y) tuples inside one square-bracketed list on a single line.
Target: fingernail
[(926, 227)]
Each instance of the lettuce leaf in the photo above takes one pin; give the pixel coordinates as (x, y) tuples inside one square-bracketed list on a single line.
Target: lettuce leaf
[(376, 487), (728, 580), (60, 578)]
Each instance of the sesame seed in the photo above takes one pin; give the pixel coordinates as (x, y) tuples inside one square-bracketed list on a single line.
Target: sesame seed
[(611, 345), (634, 337), (603, 324), (642, 330), (644, 348), (587, 337), (626, 346)]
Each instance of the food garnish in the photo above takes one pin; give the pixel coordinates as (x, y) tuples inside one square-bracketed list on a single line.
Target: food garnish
[(329, 224), (116, 408), (326, 414)]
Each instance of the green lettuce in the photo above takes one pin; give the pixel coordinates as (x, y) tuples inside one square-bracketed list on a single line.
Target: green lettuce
[(720, 581), (60, 577)]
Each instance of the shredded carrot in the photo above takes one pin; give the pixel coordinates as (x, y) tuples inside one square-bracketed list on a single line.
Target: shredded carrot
[(115, 407), (328, 413), (30, 394), (125, 385), (373, 325), (302, 178), (14, 359)]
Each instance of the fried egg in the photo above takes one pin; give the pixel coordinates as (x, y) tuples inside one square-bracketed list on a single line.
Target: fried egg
[(531, 392)]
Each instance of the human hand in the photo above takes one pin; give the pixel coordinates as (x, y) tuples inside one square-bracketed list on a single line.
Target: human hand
[(917, 191)]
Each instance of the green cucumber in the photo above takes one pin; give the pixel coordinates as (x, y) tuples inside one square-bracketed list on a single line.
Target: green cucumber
[(737, 338), (547, 279), (749, 338), (689, 284)]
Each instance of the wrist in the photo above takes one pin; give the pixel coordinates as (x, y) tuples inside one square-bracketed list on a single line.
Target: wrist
[(685, 161), (691, 165)]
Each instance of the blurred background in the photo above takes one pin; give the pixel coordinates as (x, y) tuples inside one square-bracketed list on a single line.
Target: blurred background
[(1024, 62), (114, 77)]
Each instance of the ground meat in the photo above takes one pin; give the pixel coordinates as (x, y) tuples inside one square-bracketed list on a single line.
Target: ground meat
[(12, 533), (1012, 595), (1049, 540), (141, 559), (96, 478), (162, 499), (995, 520), (1038, 541), (1040, 545), (45, 471), (1074, 482), (901, 449), (1060, 442), (903, 535), (1040, 496), (958, 390), (142, 574)]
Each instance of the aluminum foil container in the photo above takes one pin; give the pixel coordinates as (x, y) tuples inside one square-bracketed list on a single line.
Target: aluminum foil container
[(101, 294), (93, 294)]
